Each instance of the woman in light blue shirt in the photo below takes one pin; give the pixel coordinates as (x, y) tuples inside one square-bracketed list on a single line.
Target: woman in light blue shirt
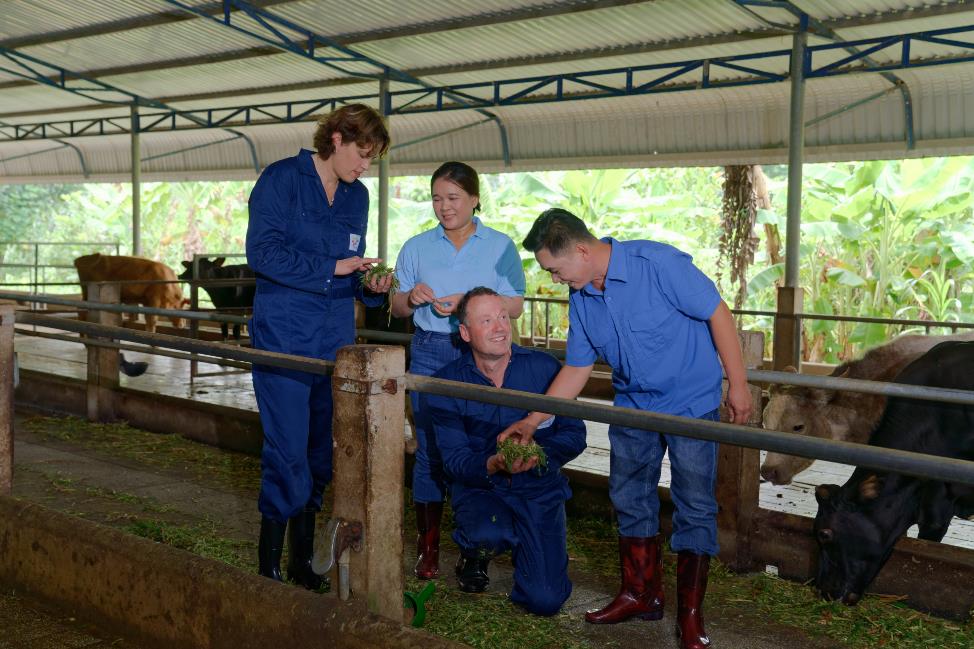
[(434, 269)]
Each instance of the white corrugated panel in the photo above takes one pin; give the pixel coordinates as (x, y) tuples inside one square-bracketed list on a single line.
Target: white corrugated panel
[(714, 126)]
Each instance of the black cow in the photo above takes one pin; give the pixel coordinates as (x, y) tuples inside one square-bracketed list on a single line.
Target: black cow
[(858, 524), (238, 297)]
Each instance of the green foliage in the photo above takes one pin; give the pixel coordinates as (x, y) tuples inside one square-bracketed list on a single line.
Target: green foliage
[(881, 239)]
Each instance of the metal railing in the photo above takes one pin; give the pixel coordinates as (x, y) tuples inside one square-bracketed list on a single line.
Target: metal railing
[(37, 269), (754, 376), (915, 464), (545, 338)]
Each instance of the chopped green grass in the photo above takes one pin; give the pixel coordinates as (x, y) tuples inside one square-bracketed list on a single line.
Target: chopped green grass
[(201, 539), (490, 620), (227, 468), (512, 451)]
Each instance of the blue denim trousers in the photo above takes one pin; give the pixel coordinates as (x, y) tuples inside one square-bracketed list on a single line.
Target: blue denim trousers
[(635, 460), (428, 353)]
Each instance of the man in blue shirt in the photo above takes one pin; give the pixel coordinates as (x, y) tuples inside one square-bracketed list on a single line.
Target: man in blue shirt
[(660, 324), (497, 507)]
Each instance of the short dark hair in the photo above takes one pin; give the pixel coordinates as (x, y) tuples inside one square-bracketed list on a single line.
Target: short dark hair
[(356, 123), (461, 310), (556, 229), (462, 175)]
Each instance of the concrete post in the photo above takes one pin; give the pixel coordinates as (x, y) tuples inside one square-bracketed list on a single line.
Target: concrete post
[(738, 479), (102, 361), (6, 398), (786, 345), (368, 424)]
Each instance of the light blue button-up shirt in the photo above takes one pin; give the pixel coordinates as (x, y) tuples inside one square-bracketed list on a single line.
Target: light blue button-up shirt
[(650, 324), (488, 258)]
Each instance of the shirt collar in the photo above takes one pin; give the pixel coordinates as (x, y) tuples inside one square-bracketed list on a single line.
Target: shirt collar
[(306, 163), (476, 233), (467, 361), (618, 269)]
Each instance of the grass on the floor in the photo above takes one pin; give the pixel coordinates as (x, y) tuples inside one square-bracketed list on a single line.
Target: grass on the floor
[(490, 620), (228, 469)]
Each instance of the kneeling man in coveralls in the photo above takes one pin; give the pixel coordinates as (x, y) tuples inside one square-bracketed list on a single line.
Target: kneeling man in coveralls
[(496, 509)]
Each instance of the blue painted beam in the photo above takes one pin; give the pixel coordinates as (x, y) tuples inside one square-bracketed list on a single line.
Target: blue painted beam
[(575, 86)]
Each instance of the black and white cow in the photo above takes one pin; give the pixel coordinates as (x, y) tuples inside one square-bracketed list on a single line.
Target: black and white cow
[(235, 298), (858, 524)]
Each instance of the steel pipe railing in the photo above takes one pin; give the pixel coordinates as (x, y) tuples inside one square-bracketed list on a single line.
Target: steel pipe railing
[(233, 352), (915, 464), (756, 376), (95, 342), (909, 463)]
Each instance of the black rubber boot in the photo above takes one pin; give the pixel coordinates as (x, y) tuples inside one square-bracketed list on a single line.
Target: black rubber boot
[(301, 549), (471, 573), (270, 547)]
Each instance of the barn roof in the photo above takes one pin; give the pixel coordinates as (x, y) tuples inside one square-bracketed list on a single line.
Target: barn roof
[(224, 88)]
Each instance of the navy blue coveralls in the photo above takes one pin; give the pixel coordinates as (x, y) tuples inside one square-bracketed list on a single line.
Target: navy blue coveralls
[(524, 512), (294, 239)]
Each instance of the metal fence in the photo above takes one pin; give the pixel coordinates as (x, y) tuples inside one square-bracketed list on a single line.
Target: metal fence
[(917, 464)]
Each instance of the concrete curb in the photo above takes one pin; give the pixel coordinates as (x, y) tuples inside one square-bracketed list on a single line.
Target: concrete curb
[(166, 597)]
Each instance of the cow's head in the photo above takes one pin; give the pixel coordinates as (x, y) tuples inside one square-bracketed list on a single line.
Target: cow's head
[(206, 268), (795, 410), (853, 543)]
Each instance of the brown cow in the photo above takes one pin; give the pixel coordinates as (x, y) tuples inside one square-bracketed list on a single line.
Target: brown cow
[(108, 268), (832, 414)]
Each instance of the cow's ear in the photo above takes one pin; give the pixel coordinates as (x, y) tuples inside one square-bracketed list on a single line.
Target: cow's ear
[(844, 374), (870, 487), (187, 265), (219, 261), (825, 492), (789, 368)]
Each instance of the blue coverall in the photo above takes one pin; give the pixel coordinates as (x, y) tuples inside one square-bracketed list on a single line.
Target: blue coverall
[(294, 239), (524, 512)]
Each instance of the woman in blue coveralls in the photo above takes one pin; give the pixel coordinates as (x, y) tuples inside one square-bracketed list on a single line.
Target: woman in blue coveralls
[(434, 270), (306, 244)]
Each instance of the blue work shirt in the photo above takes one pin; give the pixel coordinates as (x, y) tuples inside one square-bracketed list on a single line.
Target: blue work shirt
[(650, 324), (466, 431), (294, 240), (488, 258)]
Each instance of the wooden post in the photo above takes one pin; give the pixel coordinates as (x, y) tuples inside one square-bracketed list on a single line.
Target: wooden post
[(787, 341), (738, 480), (102, 361), (368, 425), (6, 398)]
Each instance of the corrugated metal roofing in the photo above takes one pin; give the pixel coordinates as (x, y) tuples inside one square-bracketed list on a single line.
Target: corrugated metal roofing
[(159, 52)]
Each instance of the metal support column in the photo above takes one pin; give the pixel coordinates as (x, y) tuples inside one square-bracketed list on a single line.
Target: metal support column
[(136, 185), (787, 330), (6, 398), (384, 102)]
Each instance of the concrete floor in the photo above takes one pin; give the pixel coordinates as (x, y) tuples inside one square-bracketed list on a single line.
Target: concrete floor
[(95, 485)]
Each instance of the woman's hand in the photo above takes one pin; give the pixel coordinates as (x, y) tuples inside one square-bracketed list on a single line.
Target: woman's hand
[(419, 295), (447, 304), (380, 284), (351, 265)]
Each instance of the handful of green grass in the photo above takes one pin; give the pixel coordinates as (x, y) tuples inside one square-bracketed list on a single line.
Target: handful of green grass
[(512, 451), (376, 273)]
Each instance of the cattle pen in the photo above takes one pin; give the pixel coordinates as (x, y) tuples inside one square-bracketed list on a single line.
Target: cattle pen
[(754, 535)]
